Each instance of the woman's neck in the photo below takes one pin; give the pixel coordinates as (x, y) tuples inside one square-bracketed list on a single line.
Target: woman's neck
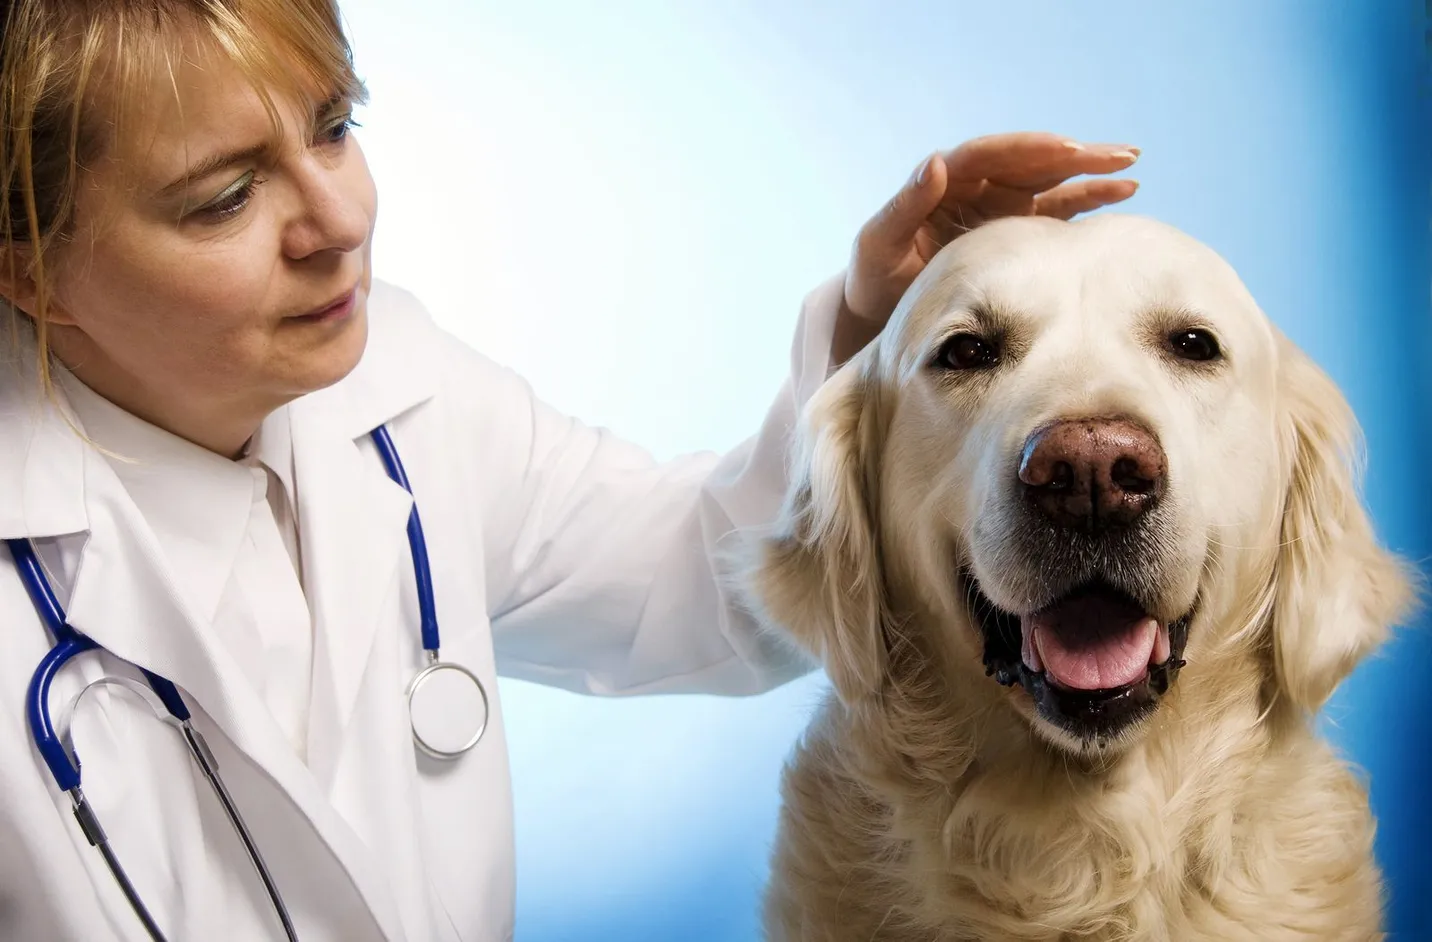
[(224, 428)]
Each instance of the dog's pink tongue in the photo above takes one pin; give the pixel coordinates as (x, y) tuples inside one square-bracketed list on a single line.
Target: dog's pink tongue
[(1094, 642)]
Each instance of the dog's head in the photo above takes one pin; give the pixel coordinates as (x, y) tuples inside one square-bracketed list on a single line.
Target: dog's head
[(1078, 459)]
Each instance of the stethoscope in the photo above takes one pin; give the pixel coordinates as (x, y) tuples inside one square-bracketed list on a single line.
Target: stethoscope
[(447, 704)]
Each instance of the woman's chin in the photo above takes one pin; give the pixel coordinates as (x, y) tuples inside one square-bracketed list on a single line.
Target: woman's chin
[(324, 364)]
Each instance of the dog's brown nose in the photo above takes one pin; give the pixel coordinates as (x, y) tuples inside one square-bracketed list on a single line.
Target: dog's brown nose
[(1089, 474)]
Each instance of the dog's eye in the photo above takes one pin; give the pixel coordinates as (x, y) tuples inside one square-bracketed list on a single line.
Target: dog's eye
[(968, 352), (1195, 344)]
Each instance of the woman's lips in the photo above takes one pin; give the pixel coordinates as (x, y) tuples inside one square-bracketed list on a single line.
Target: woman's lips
[(335, 310)]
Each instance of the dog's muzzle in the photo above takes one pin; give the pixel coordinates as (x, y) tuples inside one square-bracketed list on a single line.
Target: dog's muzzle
[(1091, 655)]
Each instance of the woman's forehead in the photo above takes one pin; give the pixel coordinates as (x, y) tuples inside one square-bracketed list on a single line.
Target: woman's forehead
[(200, 107), (183, 98)]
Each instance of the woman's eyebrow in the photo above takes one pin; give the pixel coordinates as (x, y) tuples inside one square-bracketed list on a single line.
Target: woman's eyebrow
[(213, 164)]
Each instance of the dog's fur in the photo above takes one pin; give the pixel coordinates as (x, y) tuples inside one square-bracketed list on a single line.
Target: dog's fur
[(927, 802)]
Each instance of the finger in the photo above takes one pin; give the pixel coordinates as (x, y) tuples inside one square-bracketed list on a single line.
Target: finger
[(1032, 185), (995, 200), (891, 231), (1035, 178), (946, 224), (989, 156), (1082, 196), (1033, 160), (990, 201)]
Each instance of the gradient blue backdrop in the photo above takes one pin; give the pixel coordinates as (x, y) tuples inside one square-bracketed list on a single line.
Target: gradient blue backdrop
[(626, 201)]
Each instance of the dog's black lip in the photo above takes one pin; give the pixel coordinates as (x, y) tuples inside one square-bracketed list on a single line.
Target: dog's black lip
[(1085, 714)]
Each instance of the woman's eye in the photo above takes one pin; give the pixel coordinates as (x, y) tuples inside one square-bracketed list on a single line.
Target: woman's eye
[(1195, 344), (231, 202), (968, 352), (336, 131)]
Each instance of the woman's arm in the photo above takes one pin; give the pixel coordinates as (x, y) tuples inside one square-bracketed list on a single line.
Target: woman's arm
[(611, 560), (614, 585)]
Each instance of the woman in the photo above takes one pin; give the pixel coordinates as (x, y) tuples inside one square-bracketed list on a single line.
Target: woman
[(201, 355)]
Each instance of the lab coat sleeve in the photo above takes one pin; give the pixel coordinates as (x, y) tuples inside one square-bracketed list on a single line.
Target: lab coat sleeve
[(615, 581)]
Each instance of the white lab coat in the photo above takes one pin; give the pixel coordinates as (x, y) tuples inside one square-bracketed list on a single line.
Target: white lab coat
[(560, 555)]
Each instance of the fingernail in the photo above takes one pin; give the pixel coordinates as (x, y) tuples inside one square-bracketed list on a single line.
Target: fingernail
[(923, 175), (1129, 154), (1074, 145)]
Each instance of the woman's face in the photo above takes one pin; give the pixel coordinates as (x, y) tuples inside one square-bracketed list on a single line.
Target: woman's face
[(218, 270)]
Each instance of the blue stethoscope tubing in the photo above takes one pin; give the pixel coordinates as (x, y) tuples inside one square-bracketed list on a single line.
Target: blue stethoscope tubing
[(66, 772), (64, 766), (422, 571)]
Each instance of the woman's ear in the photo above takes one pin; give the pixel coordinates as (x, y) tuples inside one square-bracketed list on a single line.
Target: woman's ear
[(20, 289), (1337, 591), (17, 286), (817, 576)]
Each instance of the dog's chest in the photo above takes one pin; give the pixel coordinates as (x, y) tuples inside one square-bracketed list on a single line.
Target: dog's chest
[(1001, 864), (1025, 886)]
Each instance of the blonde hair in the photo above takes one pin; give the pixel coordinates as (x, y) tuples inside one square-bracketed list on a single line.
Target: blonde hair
[(71, 70)]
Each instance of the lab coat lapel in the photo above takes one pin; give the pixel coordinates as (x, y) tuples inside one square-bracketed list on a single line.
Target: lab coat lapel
[(352, 518), (124, 599)]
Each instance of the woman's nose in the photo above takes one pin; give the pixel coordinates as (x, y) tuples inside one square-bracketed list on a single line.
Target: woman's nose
[(335, 212)]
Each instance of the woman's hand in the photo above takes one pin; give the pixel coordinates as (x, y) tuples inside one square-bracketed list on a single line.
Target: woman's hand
[(950, 193)]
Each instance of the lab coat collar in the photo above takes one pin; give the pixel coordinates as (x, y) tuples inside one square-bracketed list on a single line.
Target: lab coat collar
[(41, 456), (393, 376), (196, 502), (272, 447)]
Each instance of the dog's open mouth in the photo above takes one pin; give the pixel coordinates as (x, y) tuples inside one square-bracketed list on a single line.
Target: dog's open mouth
[(1094, 660)]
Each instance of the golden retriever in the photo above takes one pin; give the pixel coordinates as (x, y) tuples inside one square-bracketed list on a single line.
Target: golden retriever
[(1078, 541)]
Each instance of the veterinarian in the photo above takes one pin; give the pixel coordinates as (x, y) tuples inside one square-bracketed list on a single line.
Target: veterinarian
[(272, 535)]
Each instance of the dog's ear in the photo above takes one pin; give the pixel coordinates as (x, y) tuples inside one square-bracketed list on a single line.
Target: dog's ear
[(817, 574), (1337, 591)]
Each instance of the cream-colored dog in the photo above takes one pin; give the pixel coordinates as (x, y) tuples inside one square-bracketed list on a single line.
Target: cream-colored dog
[(1078, 541)]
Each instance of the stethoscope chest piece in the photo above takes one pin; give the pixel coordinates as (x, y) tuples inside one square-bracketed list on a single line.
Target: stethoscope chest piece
[(448, 706)]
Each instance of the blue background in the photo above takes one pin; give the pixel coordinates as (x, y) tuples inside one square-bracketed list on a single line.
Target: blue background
[(627, 201)]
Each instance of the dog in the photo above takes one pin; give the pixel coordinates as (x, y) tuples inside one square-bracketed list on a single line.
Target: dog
[(1079, 543)]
